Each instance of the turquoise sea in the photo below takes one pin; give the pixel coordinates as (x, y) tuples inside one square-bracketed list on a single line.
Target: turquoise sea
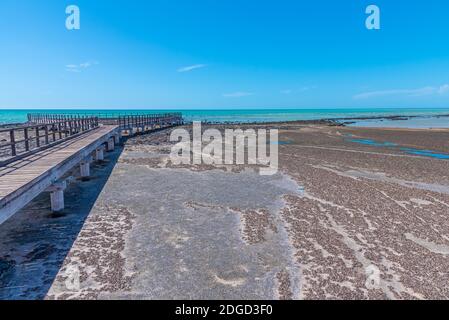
[(427, 117)]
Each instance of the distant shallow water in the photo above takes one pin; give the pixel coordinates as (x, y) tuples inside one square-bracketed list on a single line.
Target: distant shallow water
[(427, 153), (411, 151), (424, 122), (280, 143), (374, 143), (428, 118)]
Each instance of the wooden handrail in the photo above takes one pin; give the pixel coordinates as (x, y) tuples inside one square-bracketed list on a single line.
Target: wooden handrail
[(37, 118), (45, 130), (23, 141), (129, 121)]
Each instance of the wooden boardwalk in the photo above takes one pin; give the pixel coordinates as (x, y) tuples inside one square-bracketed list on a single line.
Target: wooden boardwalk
[(22, 180)]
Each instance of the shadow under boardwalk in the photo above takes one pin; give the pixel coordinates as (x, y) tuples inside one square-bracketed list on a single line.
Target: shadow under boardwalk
[(35, 241)]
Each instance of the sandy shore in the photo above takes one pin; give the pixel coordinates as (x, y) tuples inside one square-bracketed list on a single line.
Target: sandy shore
[(345, 202)]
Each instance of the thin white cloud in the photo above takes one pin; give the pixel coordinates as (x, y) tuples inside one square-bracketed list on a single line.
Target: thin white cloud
[(79, 67), (419, 92), (86, 64), (302, 89), (307, 88), (191, 68), (76, 70), (237, 94), (443, 89)]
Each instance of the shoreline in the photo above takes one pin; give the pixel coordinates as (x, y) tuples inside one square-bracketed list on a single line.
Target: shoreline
[(333, 121)]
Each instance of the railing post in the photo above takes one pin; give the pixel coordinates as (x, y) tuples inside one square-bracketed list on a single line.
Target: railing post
[(13, 143), (27, 141), (66, 134), (46, 135), (53, 132), (38, 138)]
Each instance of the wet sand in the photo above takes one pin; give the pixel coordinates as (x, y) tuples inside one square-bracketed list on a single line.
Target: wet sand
[(345, 201)]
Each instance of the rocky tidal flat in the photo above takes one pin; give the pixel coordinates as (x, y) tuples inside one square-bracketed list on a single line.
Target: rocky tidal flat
[(338, 208)]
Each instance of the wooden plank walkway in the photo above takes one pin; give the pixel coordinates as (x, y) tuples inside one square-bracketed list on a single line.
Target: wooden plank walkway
[(21, 181)]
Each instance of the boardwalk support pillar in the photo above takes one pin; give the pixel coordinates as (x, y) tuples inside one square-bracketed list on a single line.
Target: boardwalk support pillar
[(117, 138), (111, 144), (99, 154), (57, 195), (85, 168)]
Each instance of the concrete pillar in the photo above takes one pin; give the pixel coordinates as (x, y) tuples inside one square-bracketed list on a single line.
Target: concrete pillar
[(57, 196), (111, 144), (57, 200), (99, 154), (85, 169), (117, 138)]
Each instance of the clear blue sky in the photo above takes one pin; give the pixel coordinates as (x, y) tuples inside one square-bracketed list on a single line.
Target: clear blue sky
[(224, 54)]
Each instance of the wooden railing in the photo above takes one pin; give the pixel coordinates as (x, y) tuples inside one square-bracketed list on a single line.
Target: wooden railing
[(18, 142), (41, 118), (38, 118), (138, 121), (125, 120)]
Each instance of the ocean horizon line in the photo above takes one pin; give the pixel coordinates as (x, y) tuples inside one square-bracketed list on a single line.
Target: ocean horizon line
[(225, 109), (416, 117)]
